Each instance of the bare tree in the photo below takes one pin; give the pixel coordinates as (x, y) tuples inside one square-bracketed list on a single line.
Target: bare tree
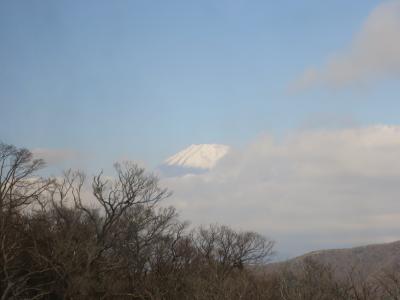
[(19, 187), (389, 282), (231, 249), (18, 184), (90, 240), (58, 241)]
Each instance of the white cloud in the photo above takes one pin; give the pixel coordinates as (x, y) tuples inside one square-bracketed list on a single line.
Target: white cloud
[(373, 54), (314, 189)]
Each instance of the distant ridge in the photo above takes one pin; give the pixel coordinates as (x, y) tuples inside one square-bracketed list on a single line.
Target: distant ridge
[(367, 260)]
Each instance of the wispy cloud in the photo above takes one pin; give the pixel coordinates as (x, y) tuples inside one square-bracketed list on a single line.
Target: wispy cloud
[(373, 54), (316, 188), (54, 156)]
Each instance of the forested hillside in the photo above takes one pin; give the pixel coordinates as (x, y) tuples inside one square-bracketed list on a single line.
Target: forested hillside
[(57, 241)]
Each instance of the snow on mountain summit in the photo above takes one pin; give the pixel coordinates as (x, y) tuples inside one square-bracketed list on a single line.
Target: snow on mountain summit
[(203, 156)]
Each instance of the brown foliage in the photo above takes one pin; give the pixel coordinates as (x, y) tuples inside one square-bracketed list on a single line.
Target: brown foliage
[(56, 242)]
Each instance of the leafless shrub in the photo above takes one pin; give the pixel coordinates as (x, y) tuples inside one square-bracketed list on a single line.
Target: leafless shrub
[(55, 244)]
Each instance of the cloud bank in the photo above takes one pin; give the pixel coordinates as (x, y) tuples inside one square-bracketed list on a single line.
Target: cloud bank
[(373, 54), (313, 189)]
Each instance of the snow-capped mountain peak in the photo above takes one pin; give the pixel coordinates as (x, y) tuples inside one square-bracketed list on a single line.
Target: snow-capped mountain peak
[(202, 156)]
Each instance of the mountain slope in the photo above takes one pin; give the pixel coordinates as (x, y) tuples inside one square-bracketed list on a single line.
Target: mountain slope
[(365, 260), (203, 156)]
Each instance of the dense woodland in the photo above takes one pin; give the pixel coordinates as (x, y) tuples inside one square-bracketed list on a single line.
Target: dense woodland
[(57, 241)]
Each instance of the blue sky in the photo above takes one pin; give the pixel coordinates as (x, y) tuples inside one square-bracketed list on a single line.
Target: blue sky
[(146, 78), (304, 92)]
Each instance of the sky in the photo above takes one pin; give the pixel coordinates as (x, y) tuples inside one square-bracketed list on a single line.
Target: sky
[(87, 83)]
